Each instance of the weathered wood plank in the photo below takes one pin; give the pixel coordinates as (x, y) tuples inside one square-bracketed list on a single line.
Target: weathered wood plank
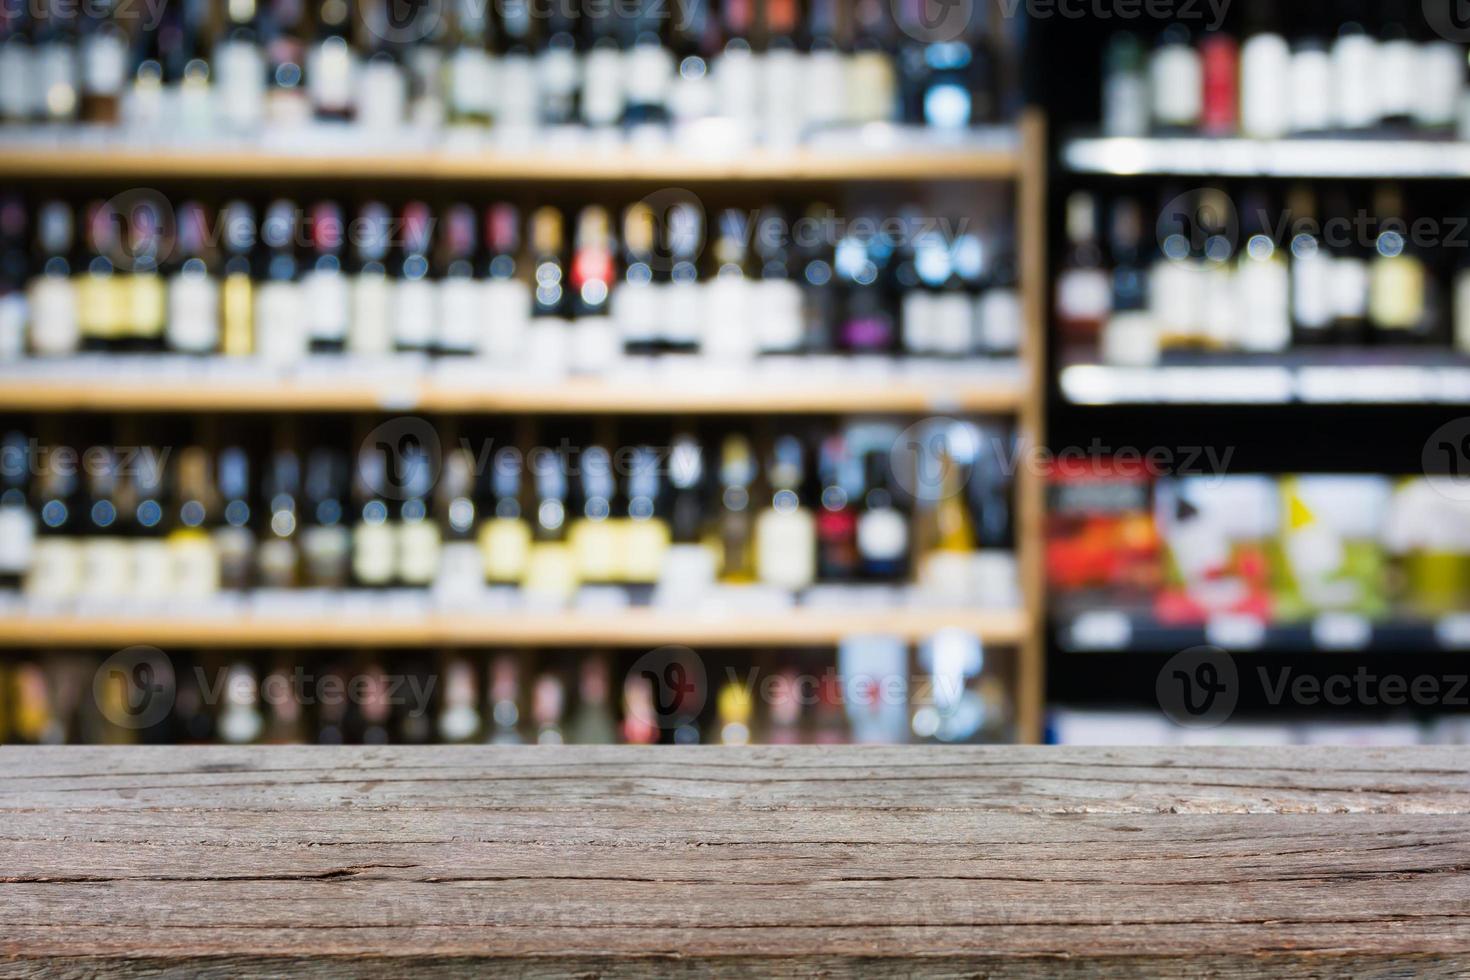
[(853, 861)]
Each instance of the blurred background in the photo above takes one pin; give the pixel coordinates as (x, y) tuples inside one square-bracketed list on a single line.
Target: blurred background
[(736, 372)]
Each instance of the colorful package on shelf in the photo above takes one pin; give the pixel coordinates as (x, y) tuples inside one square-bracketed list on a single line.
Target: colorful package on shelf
[(1332, 555), (1217, 534), (1100, 534), (1427, 533)]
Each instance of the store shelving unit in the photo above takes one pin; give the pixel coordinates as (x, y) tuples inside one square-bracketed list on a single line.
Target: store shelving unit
[(987, 155), (1285, 158), (622, 628), (1014, 155), (1004, 395)]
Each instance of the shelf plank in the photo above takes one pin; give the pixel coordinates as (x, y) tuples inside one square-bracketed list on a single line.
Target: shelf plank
[(995, 158), (625, 628), (1238, 157), (574, 396)]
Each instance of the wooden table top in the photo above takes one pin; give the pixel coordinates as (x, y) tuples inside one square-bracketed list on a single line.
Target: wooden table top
[(862, 861)]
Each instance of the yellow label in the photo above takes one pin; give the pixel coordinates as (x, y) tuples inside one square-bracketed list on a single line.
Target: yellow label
[(504, 544), (645, 544), (236, 305), (147, 305), (195, 560), (597, 546), (99, 306), (551, 572), (1396, 292)]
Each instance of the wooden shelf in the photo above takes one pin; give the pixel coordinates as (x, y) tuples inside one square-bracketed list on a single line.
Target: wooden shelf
[(576, 396), (993, 160), (624, 628)]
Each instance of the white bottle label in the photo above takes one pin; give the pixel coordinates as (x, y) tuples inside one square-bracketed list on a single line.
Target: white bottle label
[(12, 326), (1176, 80), (1400, 75), (782, 116), (280, 323), (736, 84), (384, 100), (504, 544), (518, 92), (1350, 287), (507, 318), (556, 73), (1222, 305), (1084, 294), (372, 315), (872, 87), (1441, 86), (822, 88), (418, 552), (683, 313), (596, 346), (56, 72), (1311, 290), (882, 535), (471, 80), (329, 74), (1265, 70), (19, 97), (953, 323), (328, 305), (1311, 91), (413, 314), (786, 548), (17, 539), (240, 70), (777, 316), (1125, 105), (602, 87), (635, 311), (1354, 75), (193, 313), (728, 337), (196, 567), (107, 568), (56, 569), (999, 321), (53, 312), (462, 324), (1175, 297), (374, 553), (918, 321), (460, 570), (1265, 287), (152, 570), (104, 63), (649, 69)]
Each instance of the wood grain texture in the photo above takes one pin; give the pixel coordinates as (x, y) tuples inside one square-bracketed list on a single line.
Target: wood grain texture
[(867, 861)]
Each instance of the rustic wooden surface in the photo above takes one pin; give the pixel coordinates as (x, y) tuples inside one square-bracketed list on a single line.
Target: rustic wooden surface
[(763, 862)]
